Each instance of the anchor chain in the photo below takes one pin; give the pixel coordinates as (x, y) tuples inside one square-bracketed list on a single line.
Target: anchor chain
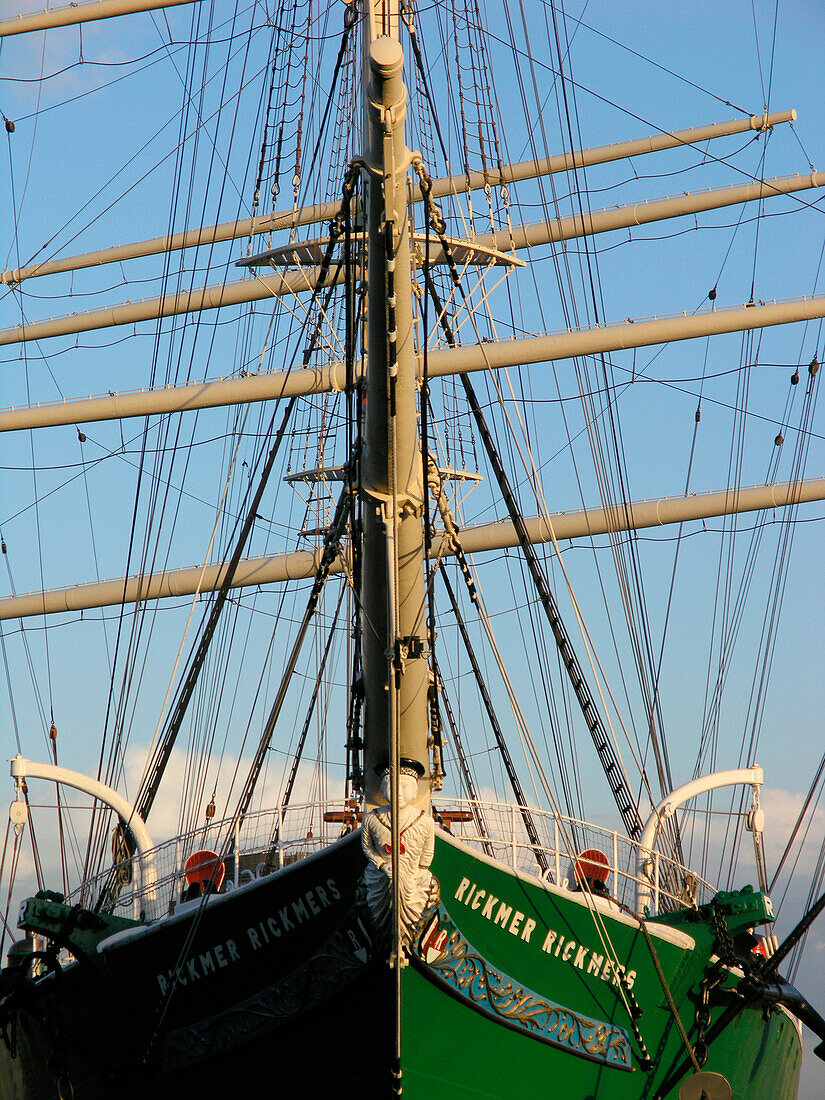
[(700, 1047), (724, 942), (634, 1011), (727, 958)]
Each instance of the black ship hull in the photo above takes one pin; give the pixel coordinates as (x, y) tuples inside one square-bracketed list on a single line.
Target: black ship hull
[(291, 952)]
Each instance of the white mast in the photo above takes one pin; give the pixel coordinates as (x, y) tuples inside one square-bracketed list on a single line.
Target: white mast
[(442, 362), (395, 668), (291, 281), (81, 13)]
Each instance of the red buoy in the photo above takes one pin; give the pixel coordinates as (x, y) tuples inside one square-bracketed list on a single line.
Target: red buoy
[(592, 864), (205, 869)]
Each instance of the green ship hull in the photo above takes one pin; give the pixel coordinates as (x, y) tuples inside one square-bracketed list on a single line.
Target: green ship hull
[(533, 961)]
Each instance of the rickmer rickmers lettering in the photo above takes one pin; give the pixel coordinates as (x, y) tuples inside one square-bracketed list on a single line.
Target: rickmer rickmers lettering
[(221, 955), (499, 912)]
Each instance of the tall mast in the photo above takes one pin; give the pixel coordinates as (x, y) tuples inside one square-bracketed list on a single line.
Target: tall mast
[(395, 668)]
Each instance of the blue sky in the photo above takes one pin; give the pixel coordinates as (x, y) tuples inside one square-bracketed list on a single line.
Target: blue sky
[(722, 58)]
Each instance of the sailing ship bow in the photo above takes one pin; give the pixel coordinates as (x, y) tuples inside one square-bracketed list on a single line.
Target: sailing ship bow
[(562, 967)]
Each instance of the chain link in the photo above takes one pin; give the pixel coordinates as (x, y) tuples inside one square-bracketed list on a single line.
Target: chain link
[(703, 1012), (727, 958), (700, 1047), (724, 943)]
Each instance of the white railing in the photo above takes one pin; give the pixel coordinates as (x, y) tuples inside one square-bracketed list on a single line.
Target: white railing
[(270, 839), (498, 829), (263, 842)]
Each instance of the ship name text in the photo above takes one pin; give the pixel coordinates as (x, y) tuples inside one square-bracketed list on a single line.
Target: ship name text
[(550, 940), (280, 922)]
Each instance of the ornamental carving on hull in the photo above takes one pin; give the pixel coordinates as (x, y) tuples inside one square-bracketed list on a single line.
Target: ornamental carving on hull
[(321, 976), (418, 887), (445, 954)]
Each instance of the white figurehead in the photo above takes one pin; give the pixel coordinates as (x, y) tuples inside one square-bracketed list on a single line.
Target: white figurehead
[(418, 888)]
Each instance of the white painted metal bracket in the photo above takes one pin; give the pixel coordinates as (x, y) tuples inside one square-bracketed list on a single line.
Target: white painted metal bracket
[(752, 777), (29, 769)]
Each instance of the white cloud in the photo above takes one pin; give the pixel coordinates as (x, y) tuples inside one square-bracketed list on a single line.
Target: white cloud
[(781, 812)]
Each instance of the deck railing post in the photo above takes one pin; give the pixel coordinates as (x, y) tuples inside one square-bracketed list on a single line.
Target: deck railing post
[(655, 882), (513, 833), (556, 848), (280, 836), (237, 852), (137, 890)]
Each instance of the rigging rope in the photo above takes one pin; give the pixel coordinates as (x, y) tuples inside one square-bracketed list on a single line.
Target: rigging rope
[(604, 747), (524, 808), (331, 550), (152, 782), (284, 801), (464, 763)]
